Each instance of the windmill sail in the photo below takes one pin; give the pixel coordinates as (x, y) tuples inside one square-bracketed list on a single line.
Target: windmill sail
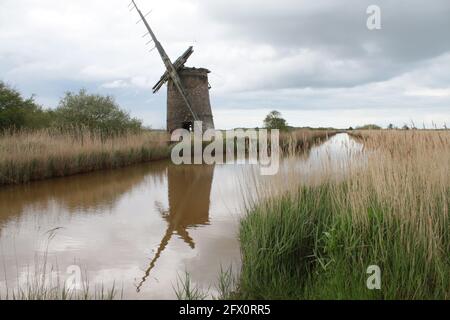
[(171, 70)]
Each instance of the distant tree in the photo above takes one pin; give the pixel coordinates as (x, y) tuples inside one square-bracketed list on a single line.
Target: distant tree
[(369, 127), (94, 112), (17, 112), (350, 129), (391, 126), (275, 121), (405, 127)]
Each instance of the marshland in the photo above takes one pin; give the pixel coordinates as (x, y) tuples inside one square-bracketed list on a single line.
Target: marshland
[(317, 238), (111, 203)]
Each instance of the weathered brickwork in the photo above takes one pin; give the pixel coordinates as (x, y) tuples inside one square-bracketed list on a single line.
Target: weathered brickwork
[(196, 85)]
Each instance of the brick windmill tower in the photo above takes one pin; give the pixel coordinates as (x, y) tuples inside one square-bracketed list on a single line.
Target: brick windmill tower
[(187, 88)]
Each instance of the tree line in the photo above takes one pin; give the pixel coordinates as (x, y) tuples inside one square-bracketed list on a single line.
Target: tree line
[(75, 111)]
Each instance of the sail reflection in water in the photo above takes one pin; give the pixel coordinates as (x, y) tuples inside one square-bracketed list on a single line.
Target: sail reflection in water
[(189, 201), (138, 227)]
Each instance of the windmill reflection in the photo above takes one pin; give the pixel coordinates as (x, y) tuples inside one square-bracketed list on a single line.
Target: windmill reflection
[(189, 200)]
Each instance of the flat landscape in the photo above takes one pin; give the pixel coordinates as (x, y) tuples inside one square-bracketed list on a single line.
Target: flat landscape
[(252, 157)]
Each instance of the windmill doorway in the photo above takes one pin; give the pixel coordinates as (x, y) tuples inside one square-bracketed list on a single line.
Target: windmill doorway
[(188, 125)]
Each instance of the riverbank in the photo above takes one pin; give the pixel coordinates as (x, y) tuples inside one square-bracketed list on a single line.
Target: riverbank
[(148, 205), (300, 140), (318, 241), (38, 155)]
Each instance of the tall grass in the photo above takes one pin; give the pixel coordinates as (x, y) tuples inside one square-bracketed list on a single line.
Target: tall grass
[(318, 240), (225, 287), (44, 281), (299, 140), (38, 287), (35, 155)]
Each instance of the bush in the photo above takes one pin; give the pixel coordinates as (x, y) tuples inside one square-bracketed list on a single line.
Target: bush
[(94, 112), (18, 113)]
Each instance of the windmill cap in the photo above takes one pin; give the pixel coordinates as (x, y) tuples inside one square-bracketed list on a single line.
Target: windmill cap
[(195, 70)]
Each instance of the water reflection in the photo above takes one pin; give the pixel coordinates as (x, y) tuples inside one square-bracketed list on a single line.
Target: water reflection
[(189, 201), (95, 192), (142, 225), (138, 226)]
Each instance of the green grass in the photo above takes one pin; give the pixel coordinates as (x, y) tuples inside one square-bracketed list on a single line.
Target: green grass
[(225, 287), (310, 245)]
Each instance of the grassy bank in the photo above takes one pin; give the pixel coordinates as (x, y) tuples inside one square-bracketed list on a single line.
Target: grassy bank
[(35, 155), (299, 140), (317, 241)]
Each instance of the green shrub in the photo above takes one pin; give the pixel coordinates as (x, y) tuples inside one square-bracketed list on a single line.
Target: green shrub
[(17, 112), (96, 113)]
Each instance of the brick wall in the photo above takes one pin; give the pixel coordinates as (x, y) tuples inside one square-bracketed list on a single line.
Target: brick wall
[(196, 84)]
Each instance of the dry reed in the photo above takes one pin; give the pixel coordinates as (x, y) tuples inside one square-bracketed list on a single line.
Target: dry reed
[(27, 156), (318, 238)]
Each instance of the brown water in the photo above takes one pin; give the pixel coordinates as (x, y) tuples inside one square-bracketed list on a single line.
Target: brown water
[(139, 227)]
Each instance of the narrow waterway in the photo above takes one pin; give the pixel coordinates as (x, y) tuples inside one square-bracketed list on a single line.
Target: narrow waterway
[(140, 226)]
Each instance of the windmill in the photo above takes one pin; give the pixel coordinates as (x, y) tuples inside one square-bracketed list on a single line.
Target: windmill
[(187, 88), (189, 189)]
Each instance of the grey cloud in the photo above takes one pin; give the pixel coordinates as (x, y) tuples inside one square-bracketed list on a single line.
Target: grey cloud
[(291, 55), (412, 33), (411, 29)]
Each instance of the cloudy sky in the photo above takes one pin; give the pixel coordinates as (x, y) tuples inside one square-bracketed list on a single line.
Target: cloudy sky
[(315, 61)]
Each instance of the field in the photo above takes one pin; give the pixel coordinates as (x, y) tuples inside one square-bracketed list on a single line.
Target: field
[(317, 240), (35, 155)]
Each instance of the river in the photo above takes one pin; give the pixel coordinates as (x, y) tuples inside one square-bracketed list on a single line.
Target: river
[(138, 227)]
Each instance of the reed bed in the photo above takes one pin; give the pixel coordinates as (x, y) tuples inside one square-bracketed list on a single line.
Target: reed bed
[(35, 155), (299, 140), (317, 239)]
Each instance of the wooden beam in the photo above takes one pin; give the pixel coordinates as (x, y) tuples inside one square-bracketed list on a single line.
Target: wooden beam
[(173, 73), (179, 63)]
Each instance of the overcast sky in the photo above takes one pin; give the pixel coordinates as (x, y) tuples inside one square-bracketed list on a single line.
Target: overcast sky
[(315, 61)]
